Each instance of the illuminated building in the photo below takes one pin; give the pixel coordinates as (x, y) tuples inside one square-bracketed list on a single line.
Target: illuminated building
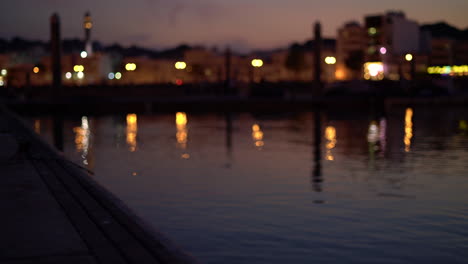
[(389, 38), (394, 32)]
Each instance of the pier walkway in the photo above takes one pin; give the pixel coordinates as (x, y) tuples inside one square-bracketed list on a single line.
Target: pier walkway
[(53, 212)]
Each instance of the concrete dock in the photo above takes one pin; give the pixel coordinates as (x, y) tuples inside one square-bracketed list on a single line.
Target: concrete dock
[(53, 212)]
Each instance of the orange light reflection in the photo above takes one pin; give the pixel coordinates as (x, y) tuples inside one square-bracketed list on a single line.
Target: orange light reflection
[(132, 130), (408, 129)]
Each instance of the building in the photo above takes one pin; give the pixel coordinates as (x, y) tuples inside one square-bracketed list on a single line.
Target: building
[(350, 46), (389, 38)]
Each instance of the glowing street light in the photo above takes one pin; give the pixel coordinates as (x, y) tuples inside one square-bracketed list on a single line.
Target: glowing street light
[(118, 75), (180, 65), (80, 75), (68, 75), (36, 69), (330, 60), (408, 57), (3, 72), (84, 54), (130, 66), (78, 68), (257, 63), (111, 75)]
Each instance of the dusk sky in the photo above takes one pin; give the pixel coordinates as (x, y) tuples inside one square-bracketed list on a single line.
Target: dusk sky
[(243, 24)]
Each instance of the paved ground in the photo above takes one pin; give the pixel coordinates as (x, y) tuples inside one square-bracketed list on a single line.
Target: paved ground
[(52, 211)]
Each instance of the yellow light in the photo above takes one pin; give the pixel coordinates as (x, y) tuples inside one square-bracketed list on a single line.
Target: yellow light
[(330, 60), (3, 72), (131, 119), (257, 136), (88, 25), (180, 65), (181, 119), (36, 69), (182, 131), (408, 57), (257, 63), (373, 70), (408, 129), (372, 31), (132, 129), (78, 68), (330, 135), (340, 75), (259, 144), (455, 69), (118, 75), (130, 66)]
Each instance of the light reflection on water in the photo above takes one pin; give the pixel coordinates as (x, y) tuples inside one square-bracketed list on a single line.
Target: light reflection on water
[(132, 130), (389, 189)]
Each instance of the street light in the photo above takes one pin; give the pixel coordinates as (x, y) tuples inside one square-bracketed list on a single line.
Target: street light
[(180, 65), (257, 63), (36, 69), (78, 68), (408, 57), (84, 54), (130, 66), (330, 60)]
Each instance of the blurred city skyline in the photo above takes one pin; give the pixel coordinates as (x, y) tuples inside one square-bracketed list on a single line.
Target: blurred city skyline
[(242, 24)]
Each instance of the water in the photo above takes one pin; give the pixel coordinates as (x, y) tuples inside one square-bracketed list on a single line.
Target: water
[(248, 188)]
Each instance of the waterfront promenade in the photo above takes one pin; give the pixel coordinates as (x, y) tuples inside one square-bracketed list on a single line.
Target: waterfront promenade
[(53, 212)]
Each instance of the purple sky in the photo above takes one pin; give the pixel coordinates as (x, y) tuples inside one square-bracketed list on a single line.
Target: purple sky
[(243, 24)]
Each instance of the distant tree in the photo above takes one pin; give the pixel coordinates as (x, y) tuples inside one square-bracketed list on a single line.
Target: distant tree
[(296, 59)]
